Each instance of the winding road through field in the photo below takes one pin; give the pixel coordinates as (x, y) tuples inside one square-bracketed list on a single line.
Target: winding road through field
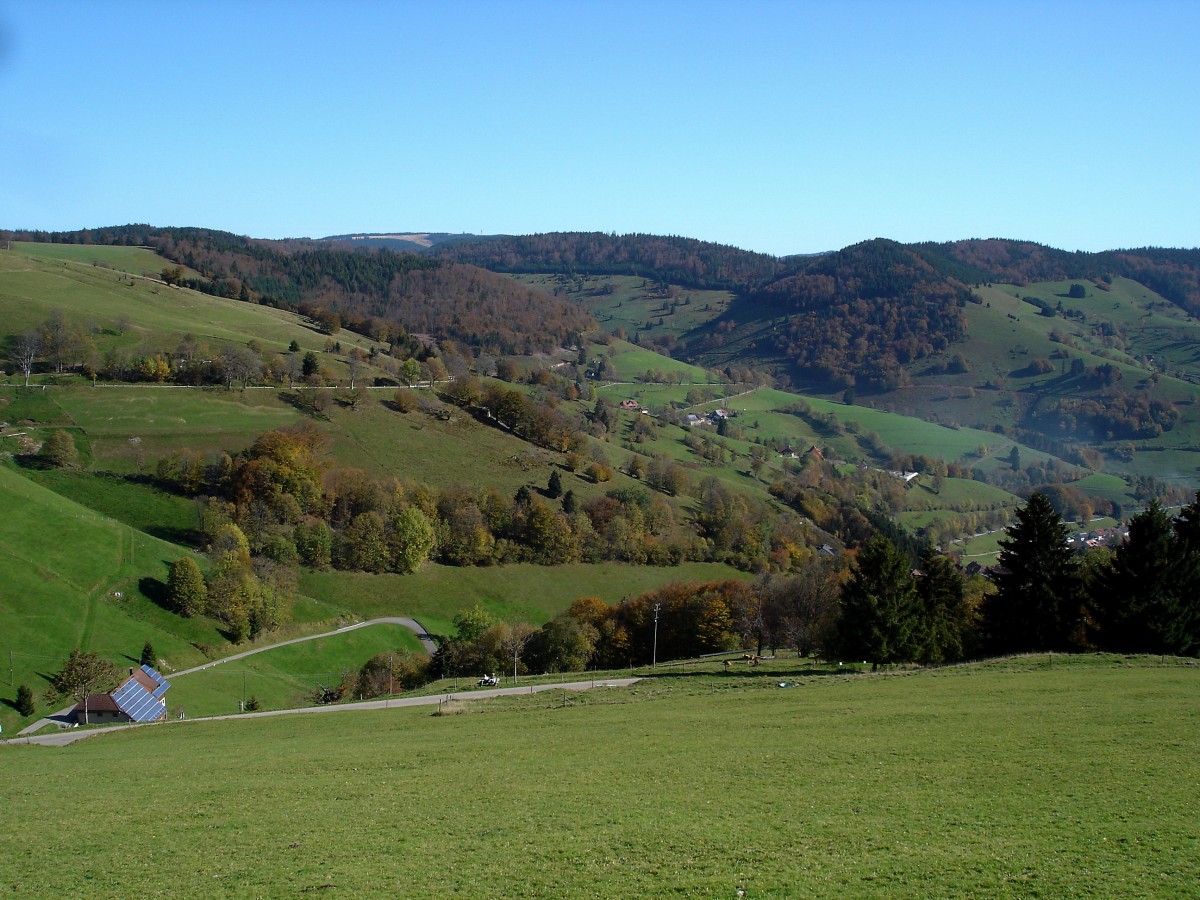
[(60, 717), (411, 624)]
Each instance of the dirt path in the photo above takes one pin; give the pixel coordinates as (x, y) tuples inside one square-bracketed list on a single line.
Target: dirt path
[(70, 736)]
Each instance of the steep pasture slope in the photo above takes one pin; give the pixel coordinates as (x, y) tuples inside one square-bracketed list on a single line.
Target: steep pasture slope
[(1007, 780), (37, 279), (63, 568)]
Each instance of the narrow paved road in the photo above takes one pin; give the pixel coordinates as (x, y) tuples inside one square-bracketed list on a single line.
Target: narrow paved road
[(411, 624), (70, 736)]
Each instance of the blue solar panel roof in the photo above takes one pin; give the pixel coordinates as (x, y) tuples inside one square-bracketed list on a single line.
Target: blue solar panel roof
[(137, 702), (140, 704), (163, 684)]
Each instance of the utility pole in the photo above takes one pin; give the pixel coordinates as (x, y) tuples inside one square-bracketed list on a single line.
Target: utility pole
[(654, 658)]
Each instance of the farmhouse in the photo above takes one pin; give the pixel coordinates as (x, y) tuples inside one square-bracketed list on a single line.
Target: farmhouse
[(630, 404), (138, 699)]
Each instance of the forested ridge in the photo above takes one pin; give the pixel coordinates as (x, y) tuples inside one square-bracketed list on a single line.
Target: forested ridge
[(859, 315), (853, 318), (364, 290), (677, 260), (1173, 273)]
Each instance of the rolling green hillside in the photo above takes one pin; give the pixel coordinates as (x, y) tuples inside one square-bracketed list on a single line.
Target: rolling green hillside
[(106, 291), (961, 429), (74, 578), (286, 677), (951, 333)]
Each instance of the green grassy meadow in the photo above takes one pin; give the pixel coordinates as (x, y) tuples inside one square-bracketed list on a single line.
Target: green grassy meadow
[(762, 414), (522, 591), (631, 302), (122, 431), (76, 578), (1019, 778), (135, 260), (37, 279), (285, 677)]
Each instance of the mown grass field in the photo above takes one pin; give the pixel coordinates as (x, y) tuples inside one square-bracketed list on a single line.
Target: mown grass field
[(1017, 779), (129, 426)]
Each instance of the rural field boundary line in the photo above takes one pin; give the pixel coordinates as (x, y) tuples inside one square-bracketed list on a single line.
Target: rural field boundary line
[(69, 736)]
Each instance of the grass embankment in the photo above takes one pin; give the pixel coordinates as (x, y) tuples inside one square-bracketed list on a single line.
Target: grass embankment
[(1010, 779), (286, 677)]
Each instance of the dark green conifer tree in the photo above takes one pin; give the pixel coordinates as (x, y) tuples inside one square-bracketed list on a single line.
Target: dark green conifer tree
[(879, 614), (944, 610), (1039, 601), (1134, 589), (1145, 599), (25, 704)]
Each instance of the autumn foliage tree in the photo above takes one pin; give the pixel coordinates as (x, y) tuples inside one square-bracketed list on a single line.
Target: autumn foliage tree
[(59, 450), (186, 591), (81, 675)]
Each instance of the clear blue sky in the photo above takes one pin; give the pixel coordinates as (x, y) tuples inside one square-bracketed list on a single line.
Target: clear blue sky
[(775, 126)]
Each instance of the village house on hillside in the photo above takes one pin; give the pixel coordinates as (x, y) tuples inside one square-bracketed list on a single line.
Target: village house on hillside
[(138, 699), (1105, 537)]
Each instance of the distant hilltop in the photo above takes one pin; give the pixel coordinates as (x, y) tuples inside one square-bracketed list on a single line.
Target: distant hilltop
[(410, 241)]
